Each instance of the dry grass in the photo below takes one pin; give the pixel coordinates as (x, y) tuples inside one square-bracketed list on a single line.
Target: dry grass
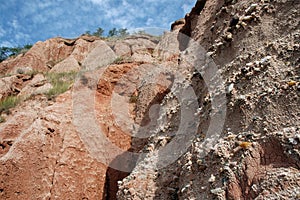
[(61, 82), (8, 103)]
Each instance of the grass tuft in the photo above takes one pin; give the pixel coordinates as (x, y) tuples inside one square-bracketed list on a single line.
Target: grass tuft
[(2, 119), (122, 60), (61, 82), (133, 99), (8, 103)]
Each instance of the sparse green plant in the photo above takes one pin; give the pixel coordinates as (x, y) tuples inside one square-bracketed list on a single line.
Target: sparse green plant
[(61, 82), (141, 32), (122, 32), (118, 60), (6, 75), (2, 119), (122, 59), (113, 32), (6, 52), (32, 73), (117, 33), (20, 71), (99, 32), (88, 33), (133, 99), (8, 103)]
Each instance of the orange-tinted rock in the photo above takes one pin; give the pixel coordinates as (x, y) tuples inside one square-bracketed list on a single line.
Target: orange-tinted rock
[(70, 64), (45, 55), (46, 156), (39, 145), (99, 56), (178, 24)]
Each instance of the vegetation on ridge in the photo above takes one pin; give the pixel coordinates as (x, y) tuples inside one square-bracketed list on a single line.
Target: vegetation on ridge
[(6, 52), (122, 32)]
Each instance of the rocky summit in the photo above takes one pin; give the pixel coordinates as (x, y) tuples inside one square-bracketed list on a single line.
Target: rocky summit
[(209, 110)]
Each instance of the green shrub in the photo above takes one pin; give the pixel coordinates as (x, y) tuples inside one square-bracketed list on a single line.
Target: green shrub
[(8, 103), (61, 82)]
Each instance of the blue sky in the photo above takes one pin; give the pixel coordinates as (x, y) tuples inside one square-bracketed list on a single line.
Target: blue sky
[(29, 21)]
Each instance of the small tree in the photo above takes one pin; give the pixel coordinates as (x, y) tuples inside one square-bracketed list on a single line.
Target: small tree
[(113, 32), (123, 32), (99, 32), (87, 33), (27, 46), (4, 53)]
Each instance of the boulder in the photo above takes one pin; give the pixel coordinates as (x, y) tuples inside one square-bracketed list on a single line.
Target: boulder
[(70, 64), (100, 56)]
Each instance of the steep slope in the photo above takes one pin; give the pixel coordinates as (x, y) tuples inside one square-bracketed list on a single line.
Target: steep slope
[(255, 45), (43, 152), (208, 111)]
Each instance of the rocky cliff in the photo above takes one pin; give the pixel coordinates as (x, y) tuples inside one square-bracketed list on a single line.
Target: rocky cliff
[(255, 46), (42, 153), (207, 111)]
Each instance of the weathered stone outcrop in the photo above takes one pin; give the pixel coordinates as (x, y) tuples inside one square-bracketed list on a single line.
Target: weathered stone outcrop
[(42, 156), (42, 153), (119, 129), (254, 45), (43, 56)]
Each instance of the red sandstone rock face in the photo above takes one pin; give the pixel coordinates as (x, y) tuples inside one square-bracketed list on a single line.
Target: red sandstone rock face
[(43, 56), (42, 155), (13, 85), (120, 102)]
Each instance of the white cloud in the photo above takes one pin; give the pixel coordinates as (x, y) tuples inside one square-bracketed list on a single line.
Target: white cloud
[(100, 2), (22, 36), (39, 19), (15, 24), (6, 44), (29, 8), (2, 32), (44, 4), (43, 19), (149, 21), (187, 7)]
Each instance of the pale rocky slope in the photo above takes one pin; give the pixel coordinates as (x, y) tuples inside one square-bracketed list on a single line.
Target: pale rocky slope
[(50, 148), (255, 44)]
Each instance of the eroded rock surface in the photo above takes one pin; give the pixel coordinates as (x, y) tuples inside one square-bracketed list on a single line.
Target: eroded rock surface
[(256, 49), (130, 89), (43, 155)]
